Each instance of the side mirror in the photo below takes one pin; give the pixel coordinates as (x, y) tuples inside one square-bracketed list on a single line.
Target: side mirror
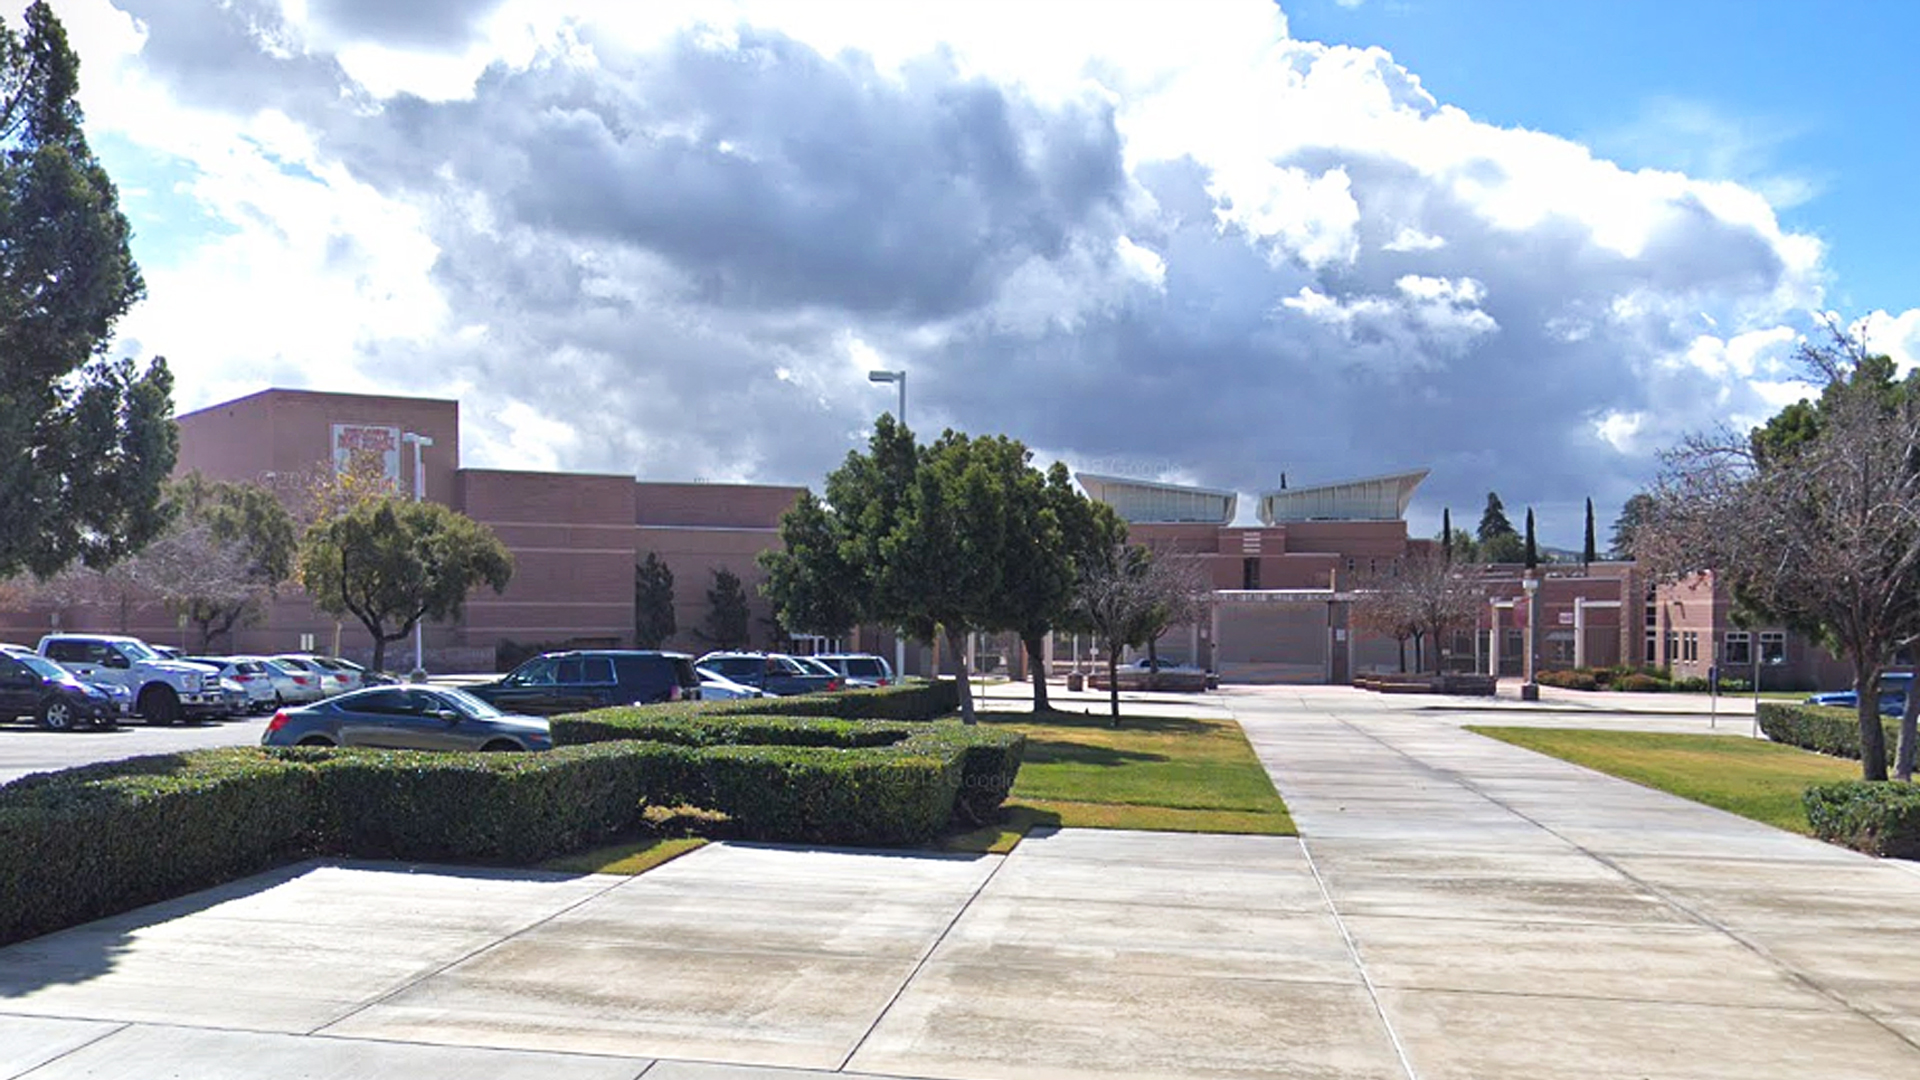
[(115, 660), (447, 715)]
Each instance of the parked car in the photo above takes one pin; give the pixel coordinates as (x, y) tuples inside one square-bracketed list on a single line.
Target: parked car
[(865, 666), (33, 686), (1143, 664), (593, 679), (357, 677), (164, 691), (717, 687), (1893, 694), (327, 682), (291, 685), (821, 667), (406, 718), (775, 673), (251, 676)]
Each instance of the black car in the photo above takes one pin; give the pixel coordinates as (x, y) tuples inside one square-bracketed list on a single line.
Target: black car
[(775, 673), (34, 686), (406, 718), (592, 679)]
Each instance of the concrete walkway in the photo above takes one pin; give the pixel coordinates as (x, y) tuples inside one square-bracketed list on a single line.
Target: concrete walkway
[(1459, 908), (1517, 916)]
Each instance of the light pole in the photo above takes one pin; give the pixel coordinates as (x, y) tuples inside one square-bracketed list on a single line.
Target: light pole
[(1530, 691), (420, 442), (893, 377), (900, 377)]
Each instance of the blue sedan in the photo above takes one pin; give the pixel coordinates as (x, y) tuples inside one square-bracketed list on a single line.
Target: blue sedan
[(1893, 695)]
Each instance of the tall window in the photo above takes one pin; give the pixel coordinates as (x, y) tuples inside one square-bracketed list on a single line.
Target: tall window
[(1690, 646), (1653, 647), (1673, 646), (1739, 648), (1249, 573), (1773, 646)]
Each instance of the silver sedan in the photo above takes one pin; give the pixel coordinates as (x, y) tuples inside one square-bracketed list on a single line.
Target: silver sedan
[(407, 718)]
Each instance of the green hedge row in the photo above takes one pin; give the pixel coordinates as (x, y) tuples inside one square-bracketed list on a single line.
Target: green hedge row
[(1879, 818), (84, 843), (917, 700), (1823, 728)]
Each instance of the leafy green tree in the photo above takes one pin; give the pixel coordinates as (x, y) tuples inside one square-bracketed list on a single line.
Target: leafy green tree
[(814, 586), (249, 537), (1588, 553), (727, 625), (391, 562), (85, 444), (1052, 531), (653, 621), (1633, 514)]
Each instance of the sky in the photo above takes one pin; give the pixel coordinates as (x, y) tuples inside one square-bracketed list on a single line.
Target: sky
[(1527, 246)]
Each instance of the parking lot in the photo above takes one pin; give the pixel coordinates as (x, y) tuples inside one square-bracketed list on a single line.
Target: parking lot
[(26, 749)]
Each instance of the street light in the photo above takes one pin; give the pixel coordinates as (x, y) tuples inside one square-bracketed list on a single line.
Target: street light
[(420, 442), (893, 377), (899, 640)]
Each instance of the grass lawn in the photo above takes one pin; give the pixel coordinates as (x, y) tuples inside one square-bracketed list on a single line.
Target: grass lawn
[(633, 857), (1758, 780), (1174, 774)]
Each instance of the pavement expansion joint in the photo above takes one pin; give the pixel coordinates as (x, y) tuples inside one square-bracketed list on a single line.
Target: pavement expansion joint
[(1667, 897), (1360, 965), (464, 957), (921, 964)]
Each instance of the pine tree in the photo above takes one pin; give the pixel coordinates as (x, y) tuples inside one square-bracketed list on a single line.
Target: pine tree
[(653, 621), (1493, 521)]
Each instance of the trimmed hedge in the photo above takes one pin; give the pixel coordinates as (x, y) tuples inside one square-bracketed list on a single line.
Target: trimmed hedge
[(89, 842), (1879, 818), (1821, 728), (1567, 680)]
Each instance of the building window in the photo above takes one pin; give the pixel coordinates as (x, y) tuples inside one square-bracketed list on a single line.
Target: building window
[(1673, 646), (1249, 573), (1350, 566), (1653, 615), (1773, 646), (1653, 648), (1739, 648), (1690, 646)]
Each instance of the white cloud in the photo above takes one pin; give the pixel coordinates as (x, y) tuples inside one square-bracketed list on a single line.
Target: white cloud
[(672, 237)]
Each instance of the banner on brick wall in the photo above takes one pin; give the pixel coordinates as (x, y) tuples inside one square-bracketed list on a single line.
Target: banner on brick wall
[(367, 447)]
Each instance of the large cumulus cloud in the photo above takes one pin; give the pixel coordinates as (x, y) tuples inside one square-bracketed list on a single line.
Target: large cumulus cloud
[(675, 250)]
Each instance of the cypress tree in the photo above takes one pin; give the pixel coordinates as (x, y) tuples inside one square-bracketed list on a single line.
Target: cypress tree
[(1589, 554), (1533, 553), (1446, 533)]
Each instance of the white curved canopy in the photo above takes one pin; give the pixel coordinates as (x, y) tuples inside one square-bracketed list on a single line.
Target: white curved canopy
[(1373, 498), (1146, 501)]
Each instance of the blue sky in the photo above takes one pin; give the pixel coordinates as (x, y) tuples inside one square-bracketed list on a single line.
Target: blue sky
[(1817, 95)]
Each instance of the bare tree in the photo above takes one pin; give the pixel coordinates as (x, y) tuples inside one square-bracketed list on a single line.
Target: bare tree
[(1423, 597), (1813, 520), (1131, 597)]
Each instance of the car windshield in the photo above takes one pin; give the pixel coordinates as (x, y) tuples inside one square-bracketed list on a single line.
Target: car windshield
[(786, 665), (41, 666), (274, 667), (711, 675), (473, 707), (136, 651), (818, 667)]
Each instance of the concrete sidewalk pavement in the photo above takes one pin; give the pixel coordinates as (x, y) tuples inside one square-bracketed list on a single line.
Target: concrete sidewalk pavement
[(1458, 908), (1520, 916)]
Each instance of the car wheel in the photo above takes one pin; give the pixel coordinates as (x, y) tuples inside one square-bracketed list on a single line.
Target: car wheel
[(160, 705), (499, 746), (314, 740), (56, 715)]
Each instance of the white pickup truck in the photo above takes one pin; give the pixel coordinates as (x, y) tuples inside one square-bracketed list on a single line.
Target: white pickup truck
[(164, 691)]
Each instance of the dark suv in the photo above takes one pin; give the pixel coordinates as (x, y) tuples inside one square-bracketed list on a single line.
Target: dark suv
[(592, 679)]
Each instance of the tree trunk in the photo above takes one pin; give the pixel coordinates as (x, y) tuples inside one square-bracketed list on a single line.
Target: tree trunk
[(957, 644), (1873, 737), (1153, 663), (1403, 655), (1903, 755), (1036, 645), (379, 653), (1419, 652), (1113, 683)]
